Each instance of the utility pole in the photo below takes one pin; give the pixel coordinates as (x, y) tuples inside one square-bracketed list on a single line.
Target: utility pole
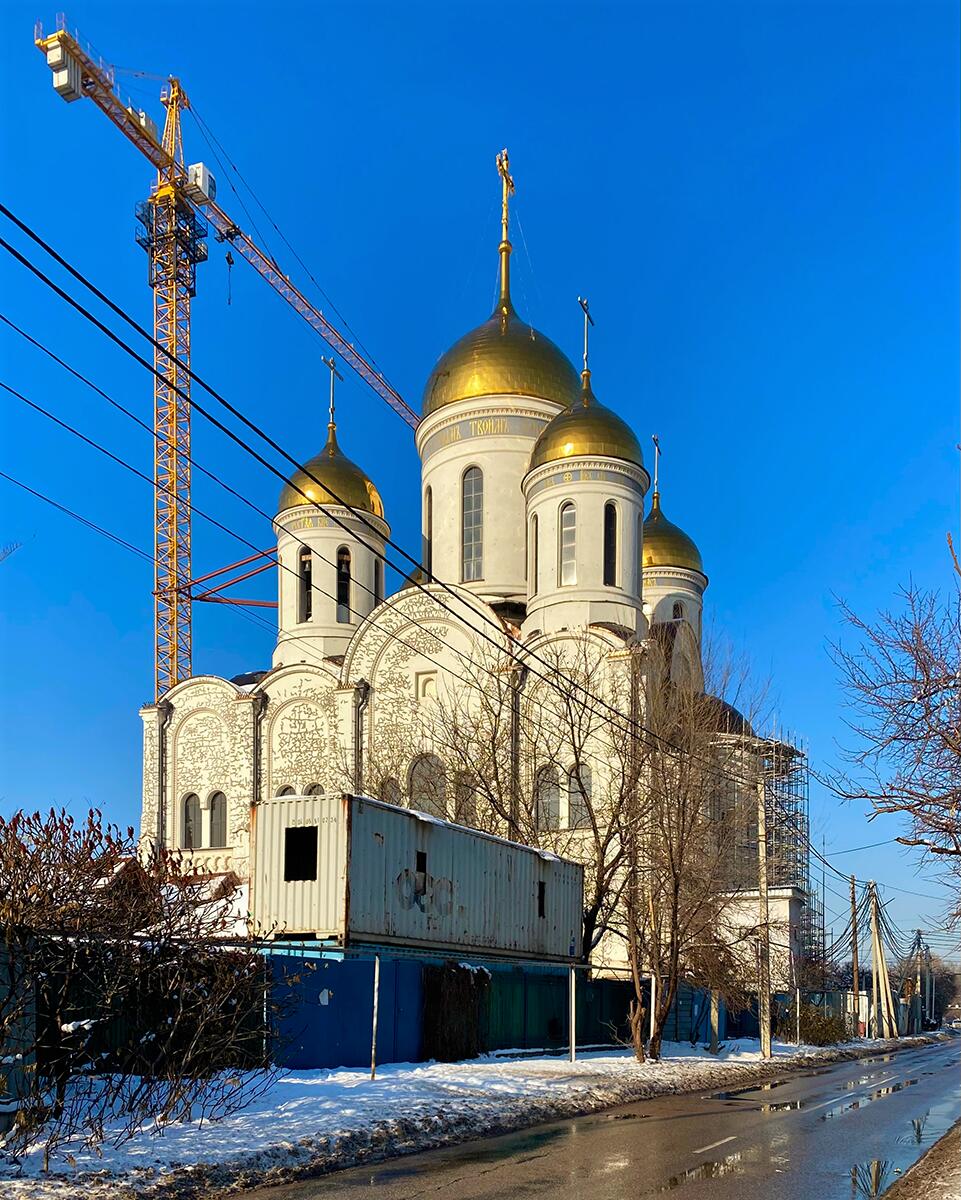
[(930, 987), (764, 955), (885, 1022), (855, 965)]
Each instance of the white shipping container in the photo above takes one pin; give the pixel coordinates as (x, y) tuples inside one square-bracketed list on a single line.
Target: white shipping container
[(359, 871)]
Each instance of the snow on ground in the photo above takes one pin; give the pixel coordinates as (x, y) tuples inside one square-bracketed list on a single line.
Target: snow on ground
[(313, 1121)]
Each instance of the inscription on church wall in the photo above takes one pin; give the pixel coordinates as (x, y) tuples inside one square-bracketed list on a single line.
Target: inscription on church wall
[(477, 427)]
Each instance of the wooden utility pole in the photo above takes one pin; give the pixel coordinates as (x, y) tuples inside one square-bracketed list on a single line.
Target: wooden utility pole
[(855, 965), (764, 956)]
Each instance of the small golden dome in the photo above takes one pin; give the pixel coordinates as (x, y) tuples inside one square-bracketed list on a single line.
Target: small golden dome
[(349, 486), (587, 428), (667, 546)]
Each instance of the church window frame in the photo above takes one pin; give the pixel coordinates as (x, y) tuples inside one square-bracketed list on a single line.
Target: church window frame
[(580, 789), (429, 532), (567, 544), (547, 798), (305, 588), (343, 569), (378, 581), (535, 582), (427, 785), (472, 524), (218, 821), (284, 792), (191, 832), (611, 556), (677, 611), (314, 789)]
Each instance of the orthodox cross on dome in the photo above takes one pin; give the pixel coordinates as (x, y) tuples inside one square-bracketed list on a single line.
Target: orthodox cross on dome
[(588, 322), (657, 459), (332, 367), (507, 190)]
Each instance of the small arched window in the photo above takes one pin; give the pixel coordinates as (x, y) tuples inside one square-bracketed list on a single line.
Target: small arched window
[(218, 820), (610, 544), (465, 799), (429, 532), (314, 789), (579, 796), (190, 839), (305, 585), (343, 585), (678, 611), (390, 791), (567, 544), (378, 580), (472, 525), (534, 580), (547, 799), (286, 790), (427, 785)]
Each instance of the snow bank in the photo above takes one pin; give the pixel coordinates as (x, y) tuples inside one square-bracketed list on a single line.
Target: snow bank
[(314, 1121)]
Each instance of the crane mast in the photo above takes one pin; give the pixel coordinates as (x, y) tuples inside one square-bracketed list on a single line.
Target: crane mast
[(173, 231)]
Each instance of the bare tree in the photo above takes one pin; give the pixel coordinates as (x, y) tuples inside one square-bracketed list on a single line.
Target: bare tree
[(903, 683), (124, 995)]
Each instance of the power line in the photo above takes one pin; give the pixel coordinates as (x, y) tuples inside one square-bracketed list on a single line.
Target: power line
[(522, 660)]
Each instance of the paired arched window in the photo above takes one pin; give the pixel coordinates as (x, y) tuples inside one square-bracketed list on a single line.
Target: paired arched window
[(567, 544), (547, 799), (535, 582), (610, 544), (191, 835), (343, 585), (314, 789), (218, 820), (579, 784), (427, 785), (286, 790), (472, 525), (465, 799), (305, 585), (678, 611), (429, 532), (378, 581)]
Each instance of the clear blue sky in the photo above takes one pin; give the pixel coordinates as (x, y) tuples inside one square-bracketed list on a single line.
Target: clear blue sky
[(759, 199)]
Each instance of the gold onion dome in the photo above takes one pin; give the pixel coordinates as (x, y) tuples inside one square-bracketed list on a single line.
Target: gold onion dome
[(505, 356), (665, 545), (348, 485), (586, 429)]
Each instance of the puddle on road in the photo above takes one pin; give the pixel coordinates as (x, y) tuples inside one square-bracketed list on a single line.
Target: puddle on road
[(871, 1179), (853, 1105), (708, 1170)]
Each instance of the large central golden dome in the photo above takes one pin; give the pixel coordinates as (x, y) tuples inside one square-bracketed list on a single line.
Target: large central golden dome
[(587, 428), (665, 545), (502, 357), (348, 485)]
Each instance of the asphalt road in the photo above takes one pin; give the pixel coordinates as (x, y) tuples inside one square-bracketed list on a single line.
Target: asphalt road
[(839, 1132)]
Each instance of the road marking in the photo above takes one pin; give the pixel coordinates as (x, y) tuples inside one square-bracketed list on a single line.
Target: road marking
[(714, 1145)]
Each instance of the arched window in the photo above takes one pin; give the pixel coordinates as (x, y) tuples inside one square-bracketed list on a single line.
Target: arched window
[(610, 544), (378, 581), (472, 525), (190, 839), (343, 585), (567, 544), (286, 790), (390, 791), (533, 549), (314, 789), (465, 799), (547, 799), (428, 532), (579, 796), (218, 820), (427, 785), (305, 589), (678, 611)]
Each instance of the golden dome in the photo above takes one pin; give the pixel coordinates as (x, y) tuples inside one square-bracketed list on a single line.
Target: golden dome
[(349, 486), (586, 428), (667, 546)]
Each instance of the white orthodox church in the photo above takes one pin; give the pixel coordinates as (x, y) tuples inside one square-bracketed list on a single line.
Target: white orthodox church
[(539, 539)]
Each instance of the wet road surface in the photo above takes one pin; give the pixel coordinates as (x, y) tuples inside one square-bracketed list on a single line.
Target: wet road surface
[(839, 1132)]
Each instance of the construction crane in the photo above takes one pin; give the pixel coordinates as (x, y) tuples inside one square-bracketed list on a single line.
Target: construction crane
[(173, 230)]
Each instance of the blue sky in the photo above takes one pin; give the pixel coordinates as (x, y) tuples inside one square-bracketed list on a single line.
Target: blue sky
[(759, 199)]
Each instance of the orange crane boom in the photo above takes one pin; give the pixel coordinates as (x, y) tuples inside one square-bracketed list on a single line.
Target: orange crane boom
[(173, 233)]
